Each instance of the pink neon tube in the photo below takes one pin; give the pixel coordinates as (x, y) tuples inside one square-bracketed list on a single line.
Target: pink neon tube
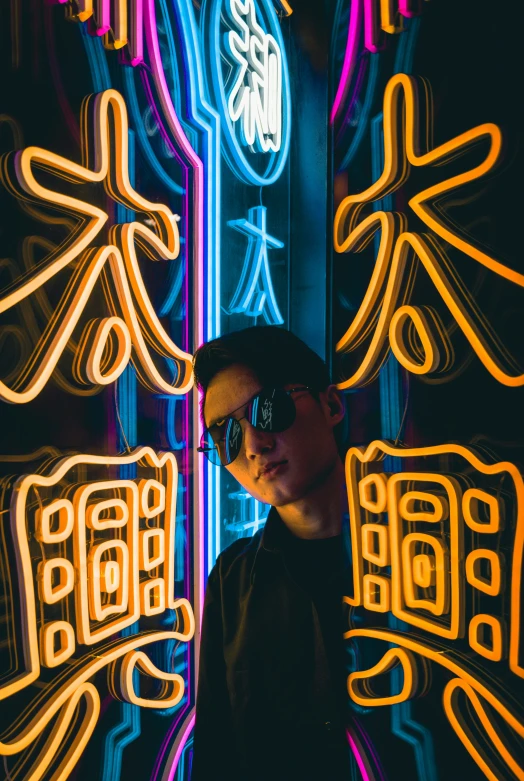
[(358, 757), (198, 206), (350, 57)]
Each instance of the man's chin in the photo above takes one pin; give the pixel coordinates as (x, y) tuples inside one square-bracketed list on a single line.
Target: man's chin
[(283, 495)]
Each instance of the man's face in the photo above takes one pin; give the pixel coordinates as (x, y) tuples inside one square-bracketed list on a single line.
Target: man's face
[(277, 468)]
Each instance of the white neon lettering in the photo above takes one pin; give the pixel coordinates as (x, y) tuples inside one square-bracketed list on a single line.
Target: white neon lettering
[(256, 97)]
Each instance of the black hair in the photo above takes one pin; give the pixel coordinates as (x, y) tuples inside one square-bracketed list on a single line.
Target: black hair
[(274, 355)]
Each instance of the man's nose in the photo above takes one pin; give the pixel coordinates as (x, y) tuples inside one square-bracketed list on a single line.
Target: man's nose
[(257, 442)]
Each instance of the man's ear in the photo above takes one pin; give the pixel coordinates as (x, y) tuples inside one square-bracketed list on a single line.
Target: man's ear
[(335, 404)]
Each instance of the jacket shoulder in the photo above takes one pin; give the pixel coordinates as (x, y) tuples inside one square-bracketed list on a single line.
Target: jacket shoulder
[(240, 553)]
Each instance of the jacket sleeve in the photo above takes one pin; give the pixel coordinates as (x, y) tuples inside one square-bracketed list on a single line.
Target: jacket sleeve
[(213, 745)]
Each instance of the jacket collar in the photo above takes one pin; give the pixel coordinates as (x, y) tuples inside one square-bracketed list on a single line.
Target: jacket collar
[(274, 533), (269, 539)]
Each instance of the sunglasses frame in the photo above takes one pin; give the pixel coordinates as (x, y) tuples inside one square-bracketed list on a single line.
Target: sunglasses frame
[(248, 404)]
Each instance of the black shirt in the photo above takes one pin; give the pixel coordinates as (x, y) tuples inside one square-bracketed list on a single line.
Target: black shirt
[(270, 693), (316, 566)]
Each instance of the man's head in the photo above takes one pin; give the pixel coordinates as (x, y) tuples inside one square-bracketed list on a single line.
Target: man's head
[(277, 468)]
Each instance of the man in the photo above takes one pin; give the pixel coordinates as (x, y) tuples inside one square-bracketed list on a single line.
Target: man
[(271, 690)]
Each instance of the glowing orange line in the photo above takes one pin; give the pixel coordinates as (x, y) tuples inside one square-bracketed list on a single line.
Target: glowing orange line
[(464, 679), (126, 272), (376, 451), (400, 152), (285, 7)]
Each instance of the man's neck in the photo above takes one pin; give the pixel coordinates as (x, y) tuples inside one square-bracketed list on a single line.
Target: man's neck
[(319, 514)]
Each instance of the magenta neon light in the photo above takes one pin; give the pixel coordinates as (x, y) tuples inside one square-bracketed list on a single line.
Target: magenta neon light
[(358, 757), (350, 56), (371, 26), (196, 164), (198, 206), (366, 12), (406, 8), (183, 740)]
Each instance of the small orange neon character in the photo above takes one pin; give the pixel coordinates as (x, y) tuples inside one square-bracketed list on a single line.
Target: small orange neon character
[(385, 310), (120, 22), (92, 557), (420, 539), (107, 344)]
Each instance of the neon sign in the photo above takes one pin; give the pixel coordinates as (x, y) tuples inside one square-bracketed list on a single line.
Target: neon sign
[(254, 295), (420, 539), (133, 326), (255, 99), (256, 109), (375, 17), (385, 310), (93, 556), (120, 22), (191, 132)]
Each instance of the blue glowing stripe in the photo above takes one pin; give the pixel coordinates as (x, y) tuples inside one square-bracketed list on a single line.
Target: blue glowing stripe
[(366, 109), (406, 46), (254, 412), (255, 295), (226, 440), (97, 60), (207, 121), (145, 144)]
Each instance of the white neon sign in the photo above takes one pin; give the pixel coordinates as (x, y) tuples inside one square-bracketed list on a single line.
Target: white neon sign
[(256, 97)]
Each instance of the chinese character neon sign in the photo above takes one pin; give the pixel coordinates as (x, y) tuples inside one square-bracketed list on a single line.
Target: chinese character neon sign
[(133, 327), (385, 311), (93, 557), (427, 547), (255, 295)]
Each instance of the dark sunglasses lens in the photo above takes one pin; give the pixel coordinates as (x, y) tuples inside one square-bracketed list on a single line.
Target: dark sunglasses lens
[(210, 449), (232, 441), (272, 410)]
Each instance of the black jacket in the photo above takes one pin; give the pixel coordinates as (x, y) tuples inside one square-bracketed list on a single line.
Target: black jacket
[(270, 706)]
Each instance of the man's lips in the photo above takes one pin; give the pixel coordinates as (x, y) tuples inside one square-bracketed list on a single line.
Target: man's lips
[(270, 469)]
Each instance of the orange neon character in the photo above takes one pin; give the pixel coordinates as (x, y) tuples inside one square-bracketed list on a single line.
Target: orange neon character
[(385, 311), (132, 331), (423, 541), (120, 22), (92, 557)]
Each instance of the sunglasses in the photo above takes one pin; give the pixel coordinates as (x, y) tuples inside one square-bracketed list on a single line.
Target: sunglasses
[(272, 410)]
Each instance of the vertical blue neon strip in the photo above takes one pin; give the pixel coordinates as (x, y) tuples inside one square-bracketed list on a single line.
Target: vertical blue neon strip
[(129, 728), (145, 144), (118, 738), (127, 383), (207, 120), (97, 60), (254, 413), (374, 63)]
